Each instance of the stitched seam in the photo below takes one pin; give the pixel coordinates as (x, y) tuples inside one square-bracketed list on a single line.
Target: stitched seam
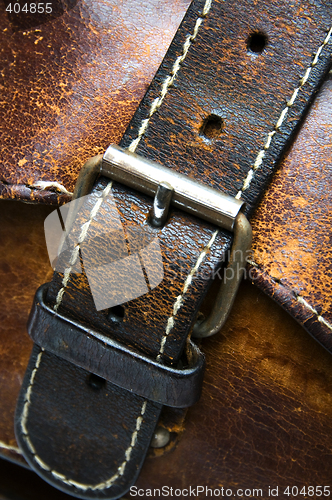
[(75, 253), (57, 475), (179, 300), (297, 297), (66, 277), (9, 447), (169, 80), (283, 115), (121, 469)]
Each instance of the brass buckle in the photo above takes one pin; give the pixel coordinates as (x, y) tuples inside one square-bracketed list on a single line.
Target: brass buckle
[(166, 186)]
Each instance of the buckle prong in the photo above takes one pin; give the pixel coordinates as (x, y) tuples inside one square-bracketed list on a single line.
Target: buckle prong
[(161, 203), (168, 186)]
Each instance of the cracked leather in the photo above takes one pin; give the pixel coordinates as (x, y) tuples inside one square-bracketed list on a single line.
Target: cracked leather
[(45, 148), (292, 261), (70, 84), (256, 99)]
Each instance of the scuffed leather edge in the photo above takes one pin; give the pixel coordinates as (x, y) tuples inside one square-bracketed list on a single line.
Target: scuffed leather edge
[(296, 305), (12, 454), (25, 193)]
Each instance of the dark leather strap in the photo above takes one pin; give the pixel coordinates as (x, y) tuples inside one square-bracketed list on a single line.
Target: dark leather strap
[(144, 376), (222, 108)]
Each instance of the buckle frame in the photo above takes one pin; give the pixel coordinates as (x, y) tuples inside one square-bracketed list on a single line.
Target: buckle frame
[(191, 196)]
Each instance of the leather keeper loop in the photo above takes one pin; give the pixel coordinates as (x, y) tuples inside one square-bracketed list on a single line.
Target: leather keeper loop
[(114, 362)]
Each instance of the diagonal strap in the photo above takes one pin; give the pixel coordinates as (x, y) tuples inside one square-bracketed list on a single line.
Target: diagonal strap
[(226, 101)]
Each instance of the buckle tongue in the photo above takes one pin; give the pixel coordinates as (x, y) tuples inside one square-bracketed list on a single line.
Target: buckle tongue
[(191, 196)]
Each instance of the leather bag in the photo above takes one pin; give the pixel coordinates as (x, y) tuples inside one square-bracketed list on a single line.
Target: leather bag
[(263, 417)]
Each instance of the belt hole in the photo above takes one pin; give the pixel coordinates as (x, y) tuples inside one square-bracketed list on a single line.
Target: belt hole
[(212, 127), (256, 42), (95, 382), (116, 314)]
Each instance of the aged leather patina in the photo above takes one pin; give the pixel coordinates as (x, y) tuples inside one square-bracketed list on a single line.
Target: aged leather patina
[(292, 251), (207, 143)]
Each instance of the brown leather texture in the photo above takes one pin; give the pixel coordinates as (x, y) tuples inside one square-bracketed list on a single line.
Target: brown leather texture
[(174, 387), (264, 416), (144, 43), (292, 226), (71, 85), (47, 148), (57, 406), (258, 108), (24, 266), (171, 127), (265, 411), (276, 369)]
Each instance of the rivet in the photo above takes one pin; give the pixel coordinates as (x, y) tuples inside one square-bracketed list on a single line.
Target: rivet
[(160, 438)]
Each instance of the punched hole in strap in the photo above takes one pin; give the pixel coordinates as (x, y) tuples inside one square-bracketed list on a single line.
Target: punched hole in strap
[(212, 127), (256, 42)]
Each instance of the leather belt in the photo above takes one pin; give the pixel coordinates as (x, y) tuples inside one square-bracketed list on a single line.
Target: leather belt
[(223, 106)]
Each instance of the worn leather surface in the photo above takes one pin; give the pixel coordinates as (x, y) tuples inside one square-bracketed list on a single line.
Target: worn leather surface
[(292, 226), (71, 85), (118, 448), (261, 350), (24, 265), (195, 94), (24, 257), (20, 482), (276, 371), (264, 418), (39, 149), (51, 142)]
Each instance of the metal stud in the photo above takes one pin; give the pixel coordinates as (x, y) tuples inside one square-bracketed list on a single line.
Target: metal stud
[(160, 438)]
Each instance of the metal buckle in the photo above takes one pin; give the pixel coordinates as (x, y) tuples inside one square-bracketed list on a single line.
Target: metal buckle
[(168, 186)]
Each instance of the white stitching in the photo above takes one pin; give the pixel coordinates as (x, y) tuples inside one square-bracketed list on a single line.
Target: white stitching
[(57, 475), (27, 402), (75, 253), (74, 256), (42, 185), (171, 77), (300, 299), (179, 301), (121, 469), (259, 159), (9, 447), (320, 318)]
